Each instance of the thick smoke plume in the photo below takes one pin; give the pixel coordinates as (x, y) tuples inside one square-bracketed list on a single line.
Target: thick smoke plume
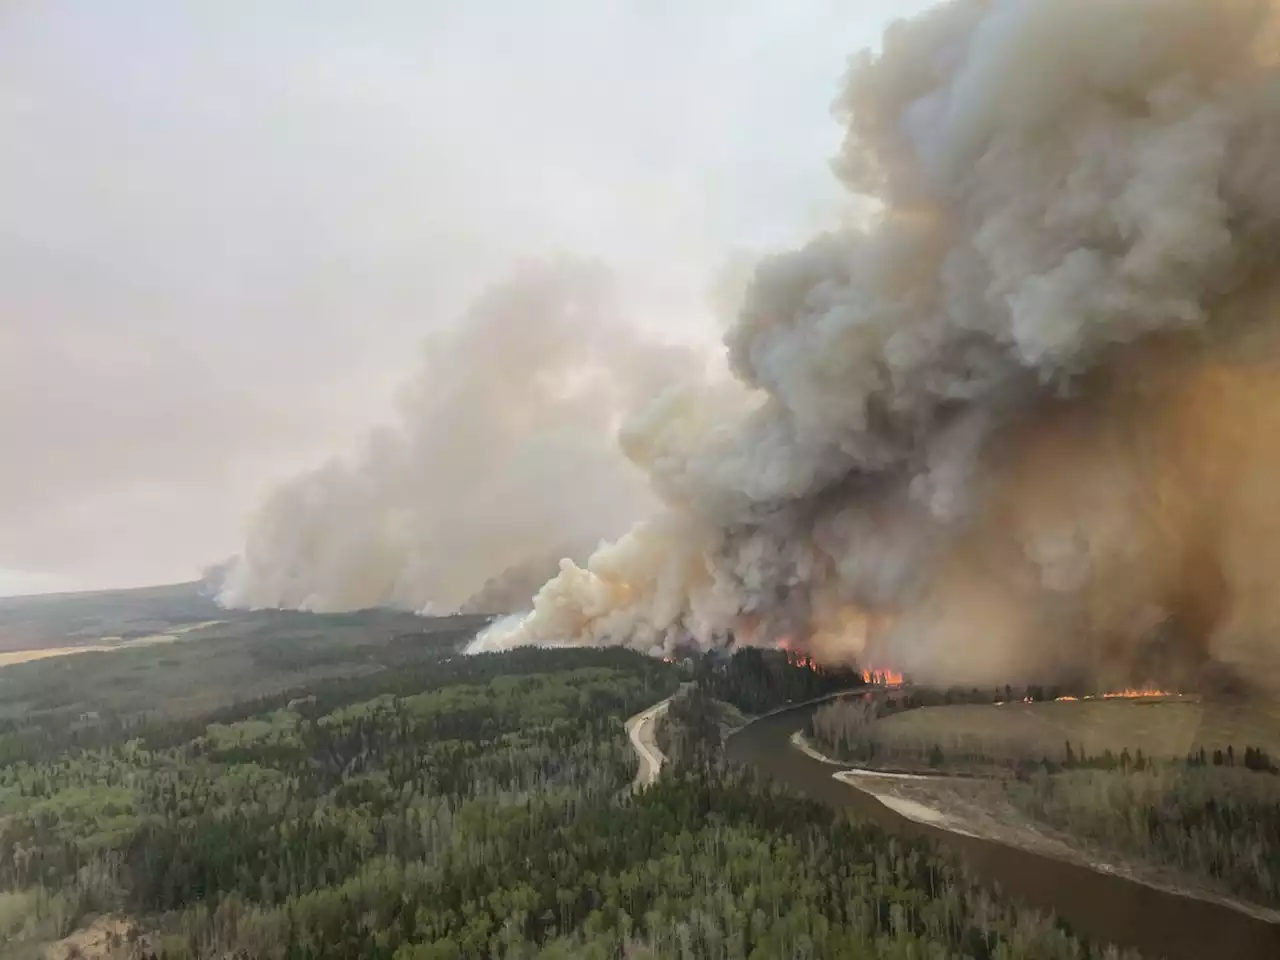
[(1022, 423), (502, 461)]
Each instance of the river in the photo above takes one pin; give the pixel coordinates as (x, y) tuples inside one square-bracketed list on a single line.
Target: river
[(1100, 906)]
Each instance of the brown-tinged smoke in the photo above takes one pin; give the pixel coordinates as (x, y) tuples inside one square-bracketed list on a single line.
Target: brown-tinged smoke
[(502, 456), (1021, 423)]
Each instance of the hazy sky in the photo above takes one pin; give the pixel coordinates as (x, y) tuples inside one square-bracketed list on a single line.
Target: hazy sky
[(225, 228)]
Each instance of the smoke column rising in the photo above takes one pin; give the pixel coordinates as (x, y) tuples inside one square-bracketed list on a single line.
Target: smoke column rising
[(503, 457), (1023, 418)]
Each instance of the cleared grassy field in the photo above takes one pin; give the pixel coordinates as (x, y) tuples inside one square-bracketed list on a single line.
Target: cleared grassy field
[(1160, 728)]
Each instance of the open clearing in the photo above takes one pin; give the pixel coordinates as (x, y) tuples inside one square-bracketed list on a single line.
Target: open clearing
[(1160, 728), (104, 939), (110, 644), (240, 656), (83, 619)]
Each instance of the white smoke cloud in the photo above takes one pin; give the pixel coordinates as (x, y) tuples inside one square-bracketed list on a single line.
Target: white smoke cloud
[(503, 455), (1055, 181)]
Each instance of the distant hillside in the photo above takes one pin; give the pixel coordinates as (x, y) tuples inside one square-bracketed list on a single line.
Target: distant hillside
[(59, 619)]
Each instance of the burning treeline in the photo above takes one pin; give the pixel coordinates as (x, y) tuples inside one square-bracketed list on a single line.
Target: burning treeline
[(1021, 422)]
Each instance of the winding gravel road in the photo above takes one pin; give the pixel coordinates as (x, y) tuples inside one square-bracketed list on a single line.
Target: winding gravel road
[(642, 729)]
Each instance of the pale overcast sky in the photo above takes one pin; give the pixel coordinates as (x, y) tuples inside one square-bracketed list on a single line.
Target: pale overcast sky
[(226, 227)]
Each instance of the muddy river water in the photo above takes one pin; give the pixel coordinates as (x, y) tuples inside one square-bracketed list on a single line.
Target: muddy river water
[(1100, 906)]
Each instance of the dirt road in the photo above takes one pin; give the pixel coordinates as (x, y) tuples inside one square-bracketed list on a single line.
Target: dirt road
[(642, 729)]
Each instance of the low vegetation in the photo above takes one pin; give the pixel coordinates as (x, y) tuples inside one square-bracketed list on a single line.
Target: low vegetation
[(1133, 778), (1163, 728)]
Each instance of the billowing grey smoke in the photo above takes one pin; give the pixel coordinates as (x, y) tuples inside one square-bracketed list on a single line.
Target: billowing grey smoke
[(504, 455), (509, 590), (1066, 189)]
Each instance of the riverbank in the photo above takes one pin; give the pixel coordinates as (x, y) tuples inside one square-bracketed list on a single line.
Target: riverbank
[(642, 730), (1106, 907), (976, 807)]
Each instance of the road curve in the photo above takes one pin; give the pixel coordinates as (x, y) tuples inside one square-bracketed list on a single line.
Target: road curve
[(642, 729)]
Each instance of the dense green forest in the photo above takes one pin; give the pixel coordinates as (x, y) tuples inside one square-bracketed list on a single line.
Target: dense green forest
[(433, 805), (272, 812), (756, 681)]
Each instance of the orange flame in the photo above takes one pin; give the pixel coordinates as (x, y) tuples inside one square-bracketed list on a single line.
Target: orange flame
[(1129, 694), (1136, 694), (883, 677), (795, 655)]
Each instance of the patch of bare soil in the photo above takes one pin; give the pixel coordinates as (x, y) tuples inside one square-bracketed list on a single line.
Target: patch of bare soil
[(107, 938)]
